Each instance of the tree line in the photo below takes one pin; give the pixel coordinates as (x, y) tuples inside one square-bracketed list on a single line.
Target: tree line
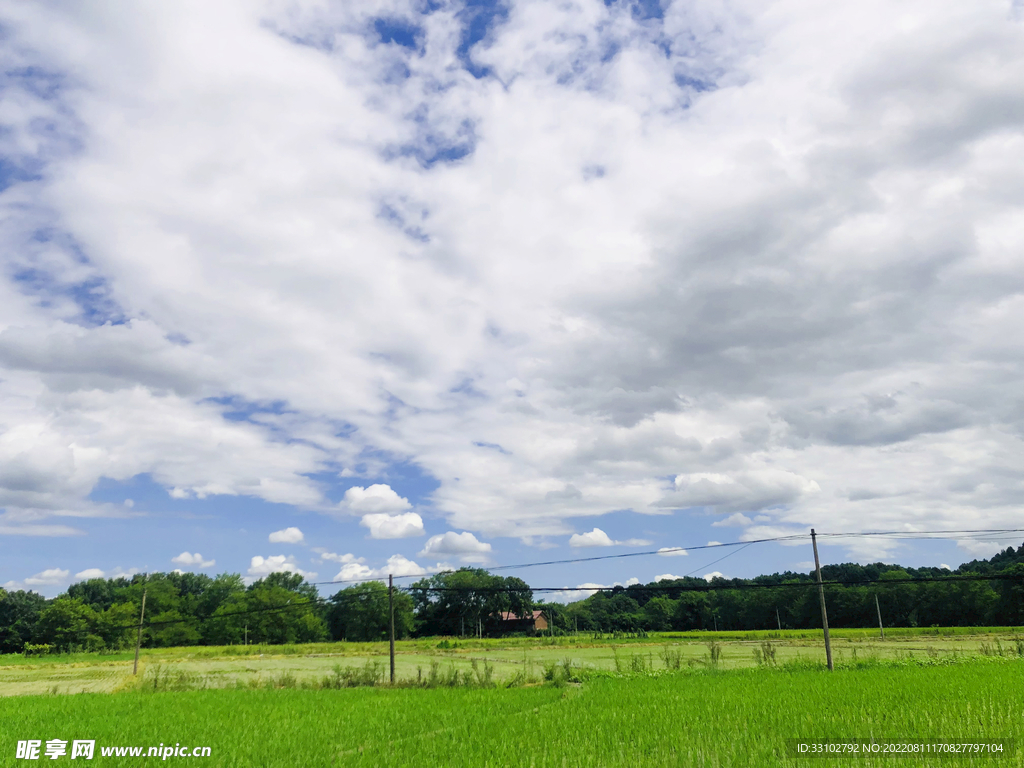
[(185, 609)]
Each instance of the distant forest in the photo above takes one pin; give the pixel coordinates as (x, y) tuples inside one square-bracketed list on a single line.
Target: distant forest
[(195, 609)]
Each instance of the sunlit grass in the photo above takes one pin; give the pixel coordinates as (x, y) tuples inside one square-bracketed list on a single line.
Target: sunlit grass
[(686, 718), (511, 658)]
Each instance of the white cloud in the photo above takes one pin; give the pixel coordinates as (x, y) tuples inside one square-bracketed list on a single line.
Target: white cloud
[(944, 566), (714, 544), (736, 518), (980, 549), (384, 526), (463, 545), (672, 552), (598, 538), (740, 491), (90, 573), (286, 536), (714, 286), (594, 538), (713, 575), (49, 577), (396, 565), (333, 557), (193, 559), (260, 567), (399, 565), (667, 577), (586, 590), (375, 499)]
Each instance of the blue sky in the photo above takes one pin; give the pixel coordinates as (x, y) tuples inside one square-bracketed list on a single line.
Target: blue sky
[(396, 286)]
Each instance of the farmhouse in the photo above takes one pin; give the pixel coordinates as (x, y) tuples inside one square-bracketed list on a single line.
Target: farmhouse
[(512, 623)]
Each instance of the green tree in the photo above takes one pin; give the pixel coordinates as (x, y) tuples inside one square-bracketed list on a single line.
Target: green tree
[(360, 613), (19, 615), (118, 625), (1009, 609), (170, 628), (65, 623), (658, 614), (461, 601)]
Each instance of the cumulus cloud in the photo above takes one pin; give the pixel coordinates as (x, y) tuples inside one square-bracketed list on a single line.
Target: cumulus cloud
[(713, 575), (385, 526), (980, 549), (736, 518), (742, 491), (48, 577), (260, 567), (598, 538), (336, 558), (355, 569), (594, 538), (193, 559), (587, 589), (464, 545), (99, 573), (633, 249), (286, 536), (667, 577), (378, 498)]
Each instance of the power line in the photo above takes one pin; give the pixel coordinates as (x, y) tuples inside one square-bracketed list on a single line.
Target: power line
[(669, 586), (672, 550)]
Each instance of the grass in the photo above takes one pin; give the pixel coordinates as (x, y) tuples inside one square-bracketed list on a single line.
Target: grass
[(644, 717), (519, 659)]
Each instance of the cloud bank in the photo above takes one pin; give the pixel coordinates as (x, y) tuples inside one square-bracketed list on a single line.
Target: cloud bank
[(721, 260)]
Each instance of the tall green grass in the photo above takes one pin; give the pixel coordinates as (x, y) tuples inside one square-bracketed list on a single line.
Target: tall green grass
[(697, 718)]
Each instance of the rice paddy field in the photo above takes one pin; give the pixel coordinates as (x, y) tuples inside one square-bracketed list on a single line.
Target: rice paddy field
[(506, 659), (726, 718), (594, 703)]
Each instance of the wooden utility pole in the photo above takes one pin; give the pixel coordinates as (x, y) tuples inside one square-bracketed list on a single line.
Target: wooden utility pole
[(821, 595), (138, 640), (391, 612), (777, 619), (881, 630)]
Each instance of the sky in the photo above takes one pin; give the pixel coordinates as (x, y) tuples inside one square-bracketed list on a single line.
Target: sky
[(393, 286)]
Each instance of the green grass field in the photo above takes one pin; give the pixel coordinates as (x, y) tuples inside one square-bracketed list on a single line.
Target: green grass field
[(684, 718), (228, 666)]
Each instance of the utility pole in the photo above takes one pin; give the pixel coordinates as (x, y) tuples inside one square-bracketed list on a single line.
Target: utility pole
[(391, 611), (777, 618), (881, 630), (821, 595), (138, 641), (247, 634)]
